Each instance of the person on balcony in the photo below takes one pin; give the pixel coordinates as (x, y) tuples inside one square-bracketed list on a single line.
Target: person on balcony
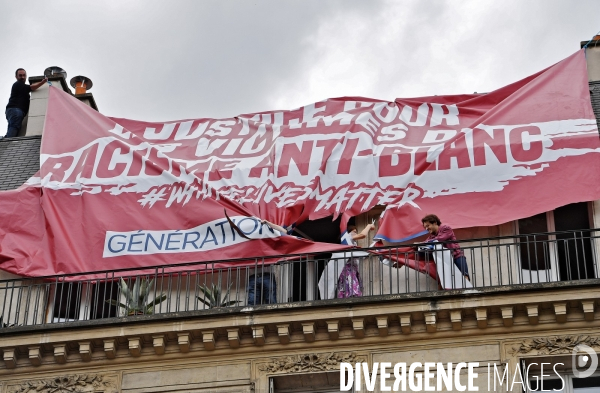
[(262, 287), (443, 233), (349, 282), (281, 228), (18, 103)]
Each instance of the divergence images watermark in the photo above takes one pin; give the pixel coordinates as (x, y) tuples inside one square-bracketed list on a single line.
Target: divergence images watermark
[(436, 377)]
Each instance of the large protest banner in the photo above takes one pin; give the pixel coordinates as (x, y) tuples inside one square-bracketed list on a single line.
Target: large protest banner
[(115, 193)]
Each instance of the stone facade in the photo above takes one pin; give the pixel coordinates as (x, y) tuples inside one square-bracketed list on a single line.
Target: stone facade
[(240, 351)]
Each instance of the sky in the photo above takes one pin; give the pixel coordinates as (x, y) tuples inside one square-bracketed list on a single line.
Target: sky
[(169, 60)]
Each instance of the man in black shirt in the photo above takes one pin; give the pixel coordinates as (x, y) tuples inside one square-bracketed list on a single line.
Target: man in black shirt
[(18, 103)]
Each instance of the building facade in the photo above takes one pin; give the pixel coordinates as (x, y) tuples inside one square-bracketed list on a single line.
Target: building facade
[(533, 301)]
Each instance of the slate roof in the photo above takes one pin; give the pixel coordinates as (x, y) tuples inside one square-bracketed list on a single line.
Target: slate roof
[(19, 160), (20, 157)]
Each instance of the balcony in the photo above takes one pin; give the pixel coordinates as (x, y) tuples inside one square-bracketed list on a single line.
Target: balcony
[(544, 260)]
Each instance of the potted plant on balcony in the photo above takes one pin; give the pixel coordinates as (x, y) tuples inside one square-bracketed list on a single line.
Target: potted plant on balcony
[(213, 297), (136, 298)]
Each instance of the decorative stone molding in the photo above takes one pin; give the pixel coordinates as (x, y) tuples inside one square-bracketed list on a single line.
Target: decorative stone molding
[(456, 319), (85, 350), (430, 321), (308, 328), (78, 383), (135, 346), (405, 323), (35, 356), (60, 353), (481, 315), (554, 345), (158, 342), (183, 340), (10, 357), (588, 309), (358, 325), (507, 315), (258, 334), (208, 339), (333, 327), (560, 309), (283, 331), (382, 325), (233, 336), (110, 348), (533, 313), (310, 362)]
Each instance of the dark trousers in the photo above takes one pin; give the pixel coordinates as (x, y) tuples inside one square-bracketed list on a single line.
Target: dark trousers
[(461, 264), (262, 289), (14, 117)]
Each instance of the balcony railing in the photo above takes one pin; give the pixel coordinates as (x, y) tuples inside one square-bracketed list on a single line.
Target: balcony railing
[(493, 262)]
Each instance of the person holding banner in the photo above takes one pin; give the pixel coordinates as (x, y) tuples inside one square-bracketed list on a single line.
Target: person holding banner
[(284, 230), (351, 235), (349, 283), (341, 276), (443, 233)]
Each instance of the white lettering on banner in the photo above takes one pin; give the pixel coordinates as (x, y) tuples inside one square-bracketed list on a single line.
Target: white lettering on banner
[(438, 116), (421, 118), (183, 131), (371, 162), (165, 133), (206, 237)]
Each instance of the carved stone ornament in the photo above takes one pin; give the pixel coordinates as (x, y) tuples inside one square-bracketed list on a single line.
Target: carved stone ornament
[(310, 362), (79, 383), (554, 345)]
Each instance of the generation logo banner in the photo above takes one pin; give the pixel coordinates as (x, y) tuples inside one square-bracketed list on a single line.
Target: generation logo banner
[(119, 192)]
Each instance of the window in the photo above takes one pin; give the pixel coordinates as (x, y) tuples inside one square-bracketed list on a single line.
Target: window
[(570, 385), (327, 382), (534, 251), (102, 293), (67, 301), (565, 381), (73, 301), (564, 256)]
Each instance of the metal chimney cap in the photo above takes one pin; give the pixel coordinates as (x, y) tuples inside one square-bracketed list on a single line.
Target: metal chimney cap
[(81, 78), (54, 70)]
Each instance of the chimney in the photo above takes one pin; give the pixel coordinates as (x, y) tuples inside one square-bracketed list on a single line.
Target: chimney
[(81, 84), (592, 56)]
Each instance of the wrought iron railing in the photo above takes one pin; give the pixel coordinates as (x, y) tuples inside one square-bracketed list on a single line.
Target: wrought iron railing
[(492, 262)]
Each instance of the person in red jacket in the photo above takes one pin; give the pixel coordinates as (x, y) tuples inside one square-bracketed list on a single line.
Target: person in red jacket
[(444, 234)]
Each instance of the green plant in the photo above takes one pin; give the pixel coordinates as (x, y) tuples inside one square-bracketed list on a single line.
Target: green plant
[(212, 297), (136, 298)]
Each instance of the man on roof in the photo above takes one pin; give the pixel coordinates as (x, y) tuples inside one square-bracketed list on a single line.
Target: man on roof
[(18, 103)]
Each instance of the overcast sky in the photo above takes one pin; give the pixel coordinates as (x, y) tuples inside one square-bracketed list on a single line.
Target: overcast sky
[(169, 60)]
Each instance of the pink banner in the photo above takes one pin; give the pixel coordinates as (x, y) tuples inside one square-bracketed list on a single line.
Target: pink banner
[(116, 193)]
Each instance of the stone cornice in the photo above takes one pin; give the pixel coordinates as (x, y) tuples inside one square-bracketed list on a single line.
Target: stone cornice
[(405, 320)]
